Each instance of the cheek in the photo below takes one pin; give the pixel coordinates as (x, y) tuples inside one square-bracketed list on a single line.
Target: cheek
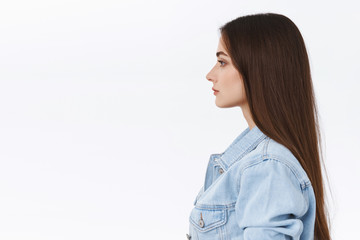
[(237, 90), (236, 84)]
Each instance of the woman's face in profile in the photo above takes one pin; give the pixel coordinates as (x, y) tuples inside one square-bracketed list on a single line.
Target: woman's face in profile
[(227, 80)]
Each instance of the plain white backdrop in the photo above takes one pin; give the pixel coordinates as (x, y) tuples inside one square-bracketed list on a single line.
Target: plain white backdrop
[(107, 120)]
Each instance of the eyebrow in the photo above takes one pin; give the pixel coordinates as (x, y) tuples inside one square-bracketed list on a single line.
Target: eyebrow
[(219, 53)]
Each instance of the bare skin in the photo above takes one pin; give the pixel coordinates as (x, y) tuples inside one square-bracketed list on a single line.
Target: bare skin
[(229, 83)]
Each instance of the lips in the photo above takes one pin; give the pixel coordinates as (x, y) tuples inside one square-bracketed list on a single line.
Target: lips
[(215, 90)]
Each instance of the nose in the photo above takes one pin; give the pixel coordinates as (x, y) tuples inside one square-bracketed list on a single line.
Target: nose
[(209, 77)]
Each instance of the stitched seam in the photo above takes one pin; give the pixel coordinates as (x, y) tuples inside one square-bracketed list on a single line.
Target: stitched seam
[(289, 164), (271, 159), (216, 207), (277, 160), (248, 150), (212, 225), (253, 162), (265, 148), (303, 182), (225, 230), (291, 169)]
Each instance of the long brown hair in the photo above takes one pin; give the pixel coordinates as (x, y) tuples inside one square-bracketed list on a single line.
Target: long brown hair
[(270, 54)]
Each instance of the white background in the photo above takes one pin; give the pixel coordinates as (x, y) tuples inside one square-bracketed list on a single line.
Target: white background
[(107, 120)]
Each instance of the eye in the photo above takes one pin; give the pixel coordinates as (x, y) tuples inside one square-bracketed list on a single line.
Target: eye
[(221, 62)]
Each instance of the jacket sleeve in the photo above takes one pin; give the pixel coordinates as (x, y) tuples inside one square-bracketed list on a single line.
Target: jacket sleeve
[(270, 202)]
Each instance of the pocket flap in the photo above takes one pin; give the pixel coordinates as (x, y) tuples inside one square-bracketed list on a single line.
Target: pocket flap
[(207, 219)]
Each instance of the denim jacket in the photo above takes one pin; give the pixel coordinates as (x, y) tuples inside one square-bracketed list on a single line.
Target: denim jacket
[(255, 190)]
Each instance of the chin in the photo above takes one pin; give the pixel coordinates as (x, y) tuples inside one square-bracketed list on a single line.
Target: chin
[(222, 105)]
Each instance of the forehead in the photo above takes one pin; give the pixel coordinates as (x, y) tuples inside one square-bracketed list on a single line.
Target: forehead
[(221, 49), (221, 46)]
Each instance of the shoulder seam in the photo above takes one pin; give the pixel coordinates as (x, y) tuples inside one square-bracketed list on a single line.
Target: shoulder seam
[(303, 183)]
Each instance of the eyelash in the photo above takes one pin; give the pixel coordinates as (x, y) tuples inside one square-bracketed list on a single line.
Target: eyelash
[(221, 62)]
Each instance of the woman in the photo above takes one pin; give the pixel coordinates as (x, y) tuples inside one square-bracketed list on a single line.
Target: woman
[(268, 183)]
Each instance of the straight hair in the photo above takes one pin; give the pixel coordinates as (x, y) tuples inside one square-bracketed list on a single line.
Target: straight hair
[(269, 52)]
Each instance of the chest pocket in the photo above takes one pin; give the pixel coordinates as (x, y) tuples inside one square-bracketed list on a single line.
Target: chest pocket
[(208, 223)]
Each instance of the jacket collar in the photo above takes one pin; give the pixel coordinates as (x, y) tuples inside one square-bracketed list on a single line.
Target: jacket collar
[(246, 141)]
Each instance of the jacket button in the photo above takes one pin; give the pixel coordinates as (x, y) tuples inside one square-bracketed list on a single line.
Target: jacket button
[(188, 236), (221, 170), (201, 223)]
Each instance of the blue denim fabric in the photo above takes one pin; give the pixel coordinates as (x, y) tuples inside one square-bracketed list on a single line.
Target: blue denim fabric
[(255, 190)]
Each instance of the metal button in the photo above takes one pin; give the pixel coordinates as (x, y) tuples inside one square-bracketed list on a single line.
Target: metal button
[(201, 223), (188, 236), (221, 170)]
